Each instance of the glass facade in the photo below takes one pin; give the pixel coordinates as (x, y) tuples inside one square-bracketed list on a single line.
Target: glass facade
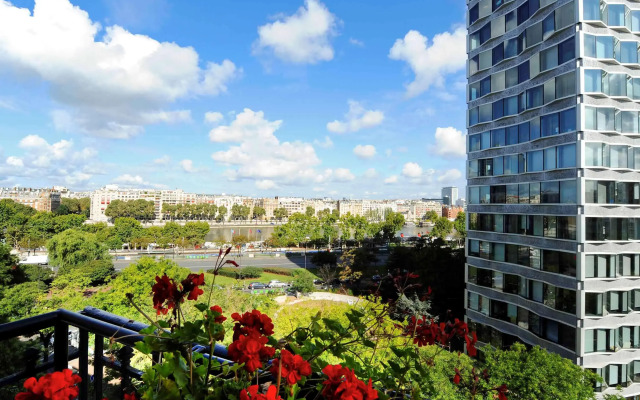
[(553, 173)]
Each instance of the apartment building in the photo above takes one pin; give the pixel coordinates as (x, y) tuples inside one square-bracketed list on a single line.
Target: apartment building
[(449, 195), (39, 199), (553, 180)]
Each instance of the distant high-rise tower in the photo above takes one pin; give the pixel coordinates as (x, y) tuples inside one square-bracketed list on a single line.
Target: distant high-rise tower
[(553, 180), (449, 195)]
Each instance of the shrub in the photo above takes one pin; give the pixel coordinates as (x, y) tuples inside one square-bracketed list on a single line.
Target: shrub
[(240, 273), (37, 273), (279, 271), (97, 272), (303, 282)]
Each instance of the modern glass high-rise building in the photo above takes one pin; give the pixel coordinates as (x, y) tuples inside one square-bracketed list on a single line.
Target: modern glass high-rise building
[(553, 180)]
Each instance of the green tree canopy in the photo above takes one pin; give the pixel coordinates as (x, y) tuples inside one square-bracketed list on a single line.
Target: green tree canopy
[(127, 228), (442, 228), (240, 212), (280, 213), (259, 212), (431, 215), (74, 247), (460, 224), (140, 209), (537, 374)]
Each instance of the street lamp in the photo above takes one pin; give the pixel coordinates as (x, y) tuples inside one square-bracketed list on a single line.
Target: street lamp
[(305, 252)]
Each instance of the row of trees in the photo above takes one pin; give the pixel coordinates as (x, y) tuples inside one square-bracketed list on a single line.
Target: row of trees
[(24, 227), (141, 210), (302, 228)]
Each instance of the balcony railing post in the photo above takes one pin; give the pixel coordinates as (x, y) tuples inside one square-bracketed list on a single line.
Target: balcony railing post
[(83, 363), (124, 355), (61, 346), (31, 356), (98, 364)]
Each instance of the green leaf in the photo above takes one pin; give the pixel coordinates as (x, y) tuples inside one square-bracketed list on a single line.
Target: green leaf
[(201, 307), (143, 347)]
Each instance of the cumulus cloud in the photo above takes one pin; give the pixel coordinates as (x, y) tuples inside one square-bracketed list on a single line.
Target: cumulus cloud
[(343, 175), (266, 184), (391, 180), (412, 170), (301, 38), (450, 142), (107, 82), (213, 117), (430, 62), (136, 181), (187, 166), (259, 155), (327, 143), (164, 160), (54, 162), (364, 151), (450, 175), (356, 42), (356, 119), (371, 173), (334, 175)]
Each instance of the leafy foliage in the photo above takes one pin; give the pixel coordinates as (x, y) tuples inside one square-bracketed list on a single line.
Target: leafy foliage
[(20, 300), (140, 209), (302, 282), (74, 247), (537, 374)]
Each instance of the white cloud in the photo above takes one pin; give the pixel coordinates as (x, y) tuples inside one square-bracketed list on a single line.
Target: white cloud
[(46, 162), (450, 142), (343, 175), (371, 173), (447, 53), (449, 176), (412, 170), (260, 155), (107, 82), (213, 117), (266, 184), (327, 143), (8, 104), (164, 160), (391, 180), (356, 42), (136, 181), (356, 119), (187, 166), (364, 151), (301, 38)]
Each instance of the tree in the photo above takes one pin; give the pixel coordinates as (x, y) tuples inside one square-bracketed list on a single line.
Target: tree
[(127, 228), (98, 272), (302, 281), (430, 215), (460, 225), (222, 213), (240, 212), (74, 247), (329, 230), (20, 300), (537, 374), (239, 240), (140, 209), (310, 211), (259, 212), (8, 263), (442, 228), (280, 213), (392, 223)]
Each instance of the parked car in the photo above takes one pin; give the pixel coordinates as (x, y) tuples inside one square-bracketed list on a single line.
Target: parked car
[(257, 285), (276, 284)]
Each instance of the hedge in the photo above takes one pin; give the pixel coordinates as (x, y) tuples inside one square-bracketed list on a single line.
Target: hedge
[(279, 271), (240, 273)]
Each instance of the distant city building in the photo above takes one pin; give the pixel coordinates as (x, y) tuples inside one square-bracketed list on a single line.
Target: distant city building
[(451, 212), (39, 199), (449, 195)]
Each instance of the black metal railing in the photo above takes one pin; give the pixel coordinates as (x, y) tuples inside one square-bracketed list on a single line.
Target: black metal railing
[(91, 320)]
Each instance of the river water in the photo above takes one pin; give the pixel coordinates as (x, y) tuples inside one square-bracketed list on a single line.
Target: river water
[(258, 233)]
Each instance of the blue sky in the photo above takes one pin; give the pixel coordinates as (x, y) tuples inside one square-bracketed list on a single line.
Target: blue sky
[(356, 99)]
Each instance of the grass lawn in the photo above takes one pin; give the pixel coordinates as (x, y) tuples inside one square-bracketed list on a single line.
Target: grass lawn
[(265, 278)]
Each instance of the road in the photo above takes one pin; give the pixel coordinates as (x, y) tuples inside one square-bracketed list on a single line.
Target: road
[(244, 261)]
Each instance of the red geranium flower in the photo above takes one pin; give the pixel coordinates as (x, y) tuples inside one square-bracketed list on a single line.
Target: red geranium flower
[(220, 318), (190, 285), (456, 379), (343, 384), (252, 394), (59, 385), (251, 350), (165, 290), (251, 321), (294, 367)]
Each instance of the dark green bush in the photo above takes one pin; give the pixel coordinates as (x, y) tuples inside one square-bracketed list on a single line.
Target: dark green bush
[(37, 273), (240, 273), (98, 271), (279, 271)]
